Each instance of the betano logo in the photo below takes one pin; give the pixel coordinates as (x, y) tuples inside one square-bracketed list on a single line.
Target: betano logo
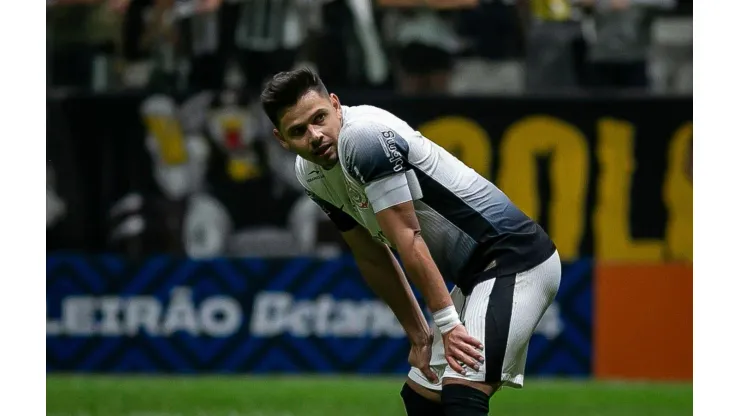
[(274, 314), (277, 313)]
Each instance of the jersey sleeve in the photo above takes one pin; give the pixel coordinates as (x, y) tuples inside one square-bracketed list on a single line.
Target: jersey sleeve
[(342, 220), (377, 157)]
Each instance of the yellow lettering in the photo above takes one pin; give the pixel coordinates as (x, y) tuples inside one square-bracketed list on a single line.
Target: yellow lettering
[(167, 133), (612, 237), (538, 136), (678, 195), (464, 138)]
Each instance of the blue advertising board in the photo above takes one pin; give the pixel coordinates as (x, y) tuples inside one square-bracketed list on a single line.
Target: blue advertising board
[(106, 314)]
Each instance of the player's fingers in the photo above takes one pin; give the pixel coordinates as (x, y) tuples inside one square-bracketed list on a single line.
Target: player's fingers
[(472, 341), (430, 375), (473, 352), (454, 365), (466, 359)]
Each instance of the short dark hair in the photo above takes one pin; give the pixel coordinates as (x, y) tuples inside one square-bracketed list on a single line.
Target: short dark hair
[(286, 88)]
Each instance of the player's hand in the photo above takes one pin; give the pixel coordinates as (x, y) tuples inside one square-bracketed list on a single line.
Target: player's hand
[(462, 348), (421, 355)]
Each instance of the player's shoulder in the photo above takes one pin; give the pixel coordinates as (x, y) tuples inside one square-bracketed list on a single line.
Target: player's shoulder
[(363, 116), (372, 144), (368, 125), (301, 169)]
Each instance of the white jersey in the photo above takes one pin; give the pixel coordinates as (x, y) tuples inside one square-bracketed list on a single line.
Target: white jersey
[(468, 224)]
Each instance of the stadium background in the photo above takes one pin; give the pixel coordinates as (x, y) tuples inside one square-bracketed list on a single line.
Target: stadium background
[(187, 273)]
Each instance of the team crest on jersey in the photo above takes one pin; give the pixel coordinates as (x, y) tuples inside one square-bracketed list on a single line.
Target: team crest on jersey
[(356, 195)]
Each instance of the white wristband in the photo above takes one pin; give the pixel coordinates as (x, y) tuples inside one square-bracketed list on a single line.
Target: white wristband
[(446, 319)]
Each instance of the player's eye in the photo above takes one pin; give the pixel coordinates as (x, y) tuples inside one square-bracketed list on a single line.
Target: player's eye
[(320, 118), (298, 131)]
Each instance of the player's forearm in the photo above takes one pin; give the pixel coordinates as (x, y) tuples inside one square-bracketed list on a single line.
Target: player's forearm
[(385, 277), (423, 271)]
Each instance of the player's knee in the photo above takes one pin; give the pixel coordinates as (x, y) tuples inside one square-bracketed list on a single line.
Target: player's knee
[(463, 400), (418, 405)]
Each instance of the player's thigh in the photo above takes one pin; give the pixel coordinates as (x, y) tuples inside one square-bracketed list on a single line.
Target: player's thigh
[(503, 313), (438, 362)]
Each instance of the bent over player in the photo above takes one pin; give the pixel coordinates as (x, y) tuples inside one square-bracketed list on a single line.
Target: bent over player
[(385, 185)]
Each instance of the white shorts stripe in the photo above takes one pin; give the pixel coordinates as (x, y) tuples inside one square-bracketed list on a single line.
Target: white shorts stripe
[(533, 293)]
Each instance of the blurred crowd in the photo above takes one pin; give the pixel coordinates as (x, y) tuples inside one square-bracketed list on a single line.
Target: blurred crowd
[(189, 165), (408, 46)]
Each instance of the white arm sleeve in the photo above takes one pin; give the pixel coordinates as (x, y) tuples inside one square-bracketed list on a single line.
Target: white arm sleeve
[(388, 191)]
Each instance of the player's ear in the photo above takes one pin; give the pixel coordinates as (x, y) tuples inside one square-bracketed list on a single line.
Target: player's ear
[(279, 137), (335, 101)]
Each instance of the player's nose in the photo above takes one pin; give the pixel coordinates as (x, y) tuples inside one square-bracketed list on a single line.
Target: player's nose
[(315, 135)]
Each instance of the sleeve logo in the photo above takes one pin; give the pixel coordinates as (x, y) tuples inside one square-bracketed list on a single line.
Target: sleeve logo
[(388, 143)]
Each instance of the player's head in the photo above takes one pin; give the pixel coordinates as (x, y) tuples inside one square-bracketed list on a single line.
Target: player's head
[(307, 118)]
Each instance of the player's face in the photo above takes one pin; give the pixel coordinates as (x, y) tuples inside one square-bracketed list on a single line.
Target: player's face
[(310, 128)]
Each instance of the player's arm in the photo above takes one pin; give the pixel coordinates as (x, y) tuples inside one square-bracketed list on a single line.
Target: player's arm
[(385, 277), (400, 226), (381, 271), (377, 157)]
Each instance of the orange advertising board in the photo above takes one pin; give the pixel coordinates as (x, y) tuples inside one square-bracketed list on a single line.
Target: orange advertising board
[(643, 322)]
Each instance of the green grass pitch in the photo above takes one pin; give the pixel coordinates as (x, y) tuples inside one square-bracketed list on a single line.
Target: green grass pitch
[(72, 395)]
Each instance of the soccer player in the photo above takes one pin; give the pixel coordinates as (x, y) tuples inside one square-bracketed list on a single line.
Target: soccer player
[(385, 185)]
